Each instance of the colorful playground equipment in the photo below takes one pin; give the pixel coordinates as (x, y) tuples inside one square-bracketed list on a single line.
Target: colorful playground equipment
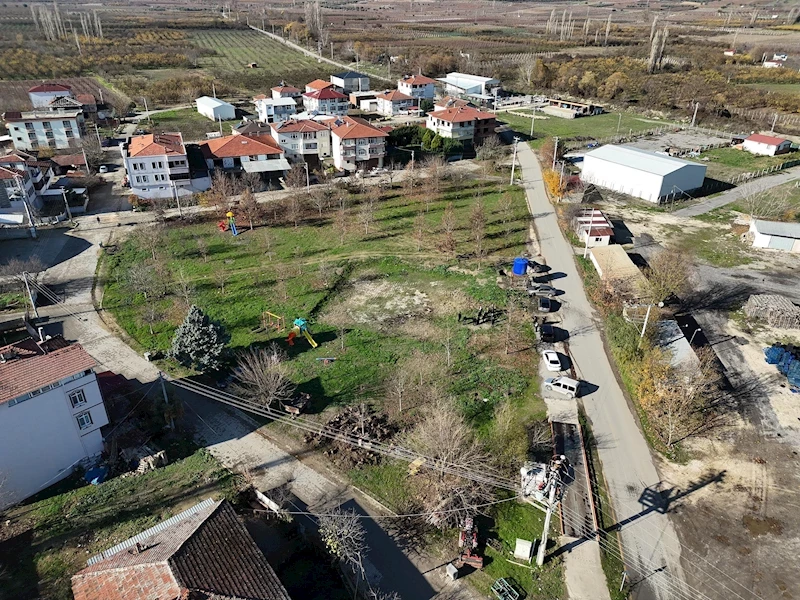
[(300, 326), (229, 224)]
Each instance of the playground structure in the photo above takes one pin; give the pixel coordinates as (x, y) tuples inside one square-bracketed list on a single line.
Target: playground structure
[(270, 321), (300, 326), (229, 224)]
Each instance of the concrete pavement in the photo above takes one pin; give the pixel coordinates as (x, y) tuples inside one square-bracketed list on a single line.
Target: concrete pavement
[(732, 195), (651, 548)]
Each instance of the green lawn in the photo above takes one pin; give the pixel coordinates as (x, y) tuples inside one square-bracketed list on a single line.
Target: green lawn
[(599, 126), (188, 121), (724, 163), (59, 530)]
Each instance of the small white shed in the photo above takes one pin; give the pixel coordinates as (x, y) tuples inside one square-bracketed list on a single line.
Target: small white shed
[(775, 235), (215, 109), (766, 145)]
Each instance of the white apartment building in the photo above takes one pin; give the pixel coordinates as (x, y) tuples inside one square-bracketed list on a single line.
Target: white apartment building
[(158, 167), (357, 145), (326, 102), (417, 86), (51, 412), (23, 178), (350, 81), (275, 110), (307, 140), (393, 103), (54, 129)]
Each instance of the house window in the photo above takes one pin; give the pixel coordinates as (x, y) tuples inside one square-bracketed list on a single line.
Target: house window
[(135, 166), (597, 239), (69, 133), (29, 126), (138, 179), (66, 124), (77, 398), (84, 420), (252, 158), (47, 125), (50, 135), (144, 179)]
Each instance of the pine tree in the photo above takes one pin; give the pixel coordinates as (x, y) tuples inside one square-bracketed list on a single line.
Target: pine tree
[(198, 343)]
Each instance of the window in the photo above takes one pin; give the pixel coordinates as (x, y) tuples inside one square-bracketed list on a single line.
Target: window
[(77, 398), (50, 135), (135, 166), (84, 420), (29, 126), (138, 179), (69, 133), (597, 239), (252, 158), (144, 179), (67, 124), (47, 125)]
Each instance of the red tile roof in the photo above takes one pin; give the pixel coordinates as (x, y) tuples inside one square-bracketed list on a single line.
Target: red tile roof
[(319, 84), (86, 99), (765, 139), (452, 101), (50, 87), (350, 128), (260, 97), (461, 114), (68, 160), (289, 89), (325, 94), (293, 126), (236, 145), (9, 173), (13, 158), (394, 96), (156, 144), (417, 80), (33, 367)]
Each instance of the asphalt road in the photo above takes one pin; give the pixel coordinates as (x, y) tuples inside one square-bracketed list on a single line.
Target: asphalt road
[(651, 547)]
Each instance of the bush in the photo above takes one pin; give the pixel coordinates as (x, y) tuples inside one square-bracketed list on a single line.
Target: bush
[(407, 135), (451, 146)]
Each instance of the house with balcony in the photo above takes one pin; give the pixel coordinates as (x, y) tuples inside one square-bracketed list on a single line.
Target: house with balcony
[(350, 81), (466, 124), (326, 102), (274, 110), (417, 86), (55, 129), (286, 91), (357, 145), (304, 140), (157, 166), (238, 154), (51, 412), (394, 102)]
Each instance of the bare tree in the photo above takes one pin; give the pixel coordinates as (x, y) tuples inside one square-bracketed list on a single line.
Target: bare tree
[(93, 152), (343, 535), (419, 230), (221, 188), (249, 207), (448, 227), (152, 314), (184, 288), (761, 201), (321, 198), (151, 239), (254, 181), (668, 274), (142, 279), (398, 386), (294, 208), (261, 376), (282, 274), (221, 276), (505, 206), (202, 248), (435, 171), (296, 176), (341, 224), (477, 223), (366, 214)]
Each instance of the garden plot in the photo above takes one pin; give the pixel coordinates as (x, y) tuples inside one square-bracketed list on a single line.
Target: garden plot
[(378, 302)]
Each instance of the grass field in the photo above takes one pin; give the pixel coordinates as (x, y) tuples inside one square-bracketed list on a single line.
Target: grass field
[(782, 88), (235, 49), (55, 534), (188, 121), (725, 163), (587, 128)]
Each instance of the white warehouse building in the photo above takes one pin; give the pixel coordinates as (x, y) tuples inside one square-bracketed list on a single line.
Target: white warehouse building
[(215, 109), (646, 175)]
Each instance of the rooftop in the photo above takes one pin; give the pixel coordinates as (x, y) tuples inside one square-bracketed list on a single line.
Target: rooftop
[(778, 229), (766, 139), (349, 75), (325, 94), (236, 145), (289, 89), (50, 87), (69, 160), (642, 160), (416, 80), (452, 101), (41, 115), (209, 101), (29, 365), (351, 128), (203, 549), (616, 265), (10, 173), (156, 144), (465, 80), (319, 84), (277, 101), (461, 114), (394, 96), (293, 126)]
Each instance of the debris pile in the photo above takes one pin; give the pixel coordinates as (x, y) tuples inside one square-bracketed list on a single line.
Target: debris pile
[(359, 421), (786, 359), (775, 310)]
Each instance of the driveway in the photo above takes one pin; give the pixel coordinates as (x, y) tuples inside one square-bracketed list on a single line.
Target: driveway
[(651, 548)]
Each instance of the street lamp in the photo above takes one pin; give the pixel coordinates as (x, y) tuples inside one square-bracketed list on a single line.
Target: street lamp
[(66, 204), (694, 334)]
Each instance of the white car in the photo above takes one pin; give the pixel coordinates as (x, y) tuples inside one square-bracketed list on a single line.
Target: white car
[(103, 169), (563, 385), (551, 360)]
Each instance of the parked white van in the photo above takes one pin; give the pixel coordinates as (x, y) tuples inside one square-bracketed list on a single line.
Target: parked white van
[(563, 385)]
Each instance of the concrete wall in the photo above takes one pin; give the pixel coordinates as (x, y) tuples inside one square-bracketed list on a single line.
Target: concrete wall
[(40, 441)]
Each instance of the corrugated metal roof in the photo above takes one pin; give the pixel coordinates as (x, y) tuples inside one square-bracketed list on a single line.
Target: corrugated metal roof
[(209, 101), (787, 230), (635, 158)]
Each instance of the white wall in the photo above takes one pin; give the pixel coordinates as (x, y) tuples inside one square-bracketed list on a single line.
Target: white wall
[(226, 112), (685, 179), (621, 178), (763, 149), (40, 441), (60, 137)]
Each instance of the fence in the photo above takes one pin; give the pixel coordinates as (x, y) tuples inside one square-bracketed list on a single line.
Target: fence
[(761, 173), (756, 114)]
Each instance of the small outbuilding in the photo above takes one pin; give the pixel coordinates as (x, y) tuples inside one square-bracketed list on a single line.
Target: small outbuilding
[(215, 109), (647, 175), (775, 235), (593, 227), (617, 270), (766, 145)]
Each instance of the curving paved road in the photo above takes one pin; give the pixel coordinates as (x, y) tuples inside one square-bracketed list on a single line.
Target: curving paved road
[(651, 547)]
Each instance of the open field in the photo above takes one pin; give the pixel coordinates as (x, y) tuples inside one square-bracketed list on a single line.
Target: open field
[(188, 121), (49, 538), (780, 88), (14, 94), (724, 163)]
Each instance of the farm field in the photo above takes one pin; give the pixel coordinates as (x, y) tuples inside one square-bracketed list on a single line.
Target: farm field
[(783, 88), (237, 48)]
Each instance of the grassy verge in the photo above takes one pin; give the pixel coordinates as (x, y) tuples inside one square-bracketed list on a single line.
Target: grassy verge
[(12, 301), (55, 532), (724, 163)]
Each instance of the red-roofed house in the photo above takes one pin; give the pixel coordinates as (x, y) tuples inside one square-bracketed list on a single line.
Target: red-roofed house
[(51, 412), (766, 145), (318, 84), (417, 86), (326, 102), (286, 91), (242, 153), (357, 144), (463, 123), (394, 102), (304, 140), (42, 95)]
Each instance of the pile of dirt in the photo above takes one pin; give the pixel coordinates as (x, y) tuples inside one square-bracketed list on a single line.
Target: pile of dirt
[(381, 303), (354, 421)]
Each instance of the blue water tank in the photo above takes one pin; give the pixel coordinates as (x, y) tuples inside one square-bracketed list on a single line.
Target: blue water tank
[(520, 266)]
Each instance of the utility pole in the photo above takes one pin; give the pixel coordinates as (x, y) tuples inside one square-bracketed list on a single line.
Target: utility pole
[(413, 162), (561, 182), (331, 50), (619, 122), (177, 198), (514, 160), (555, 153), (97, 133), (308, 180), (30, 294), (146, 111), (588, 234), (646, 319), (533, 118), (24, 194), (694, 116), (166, 397), (66, 204), (547, 516), (220, 125), (774, 122)]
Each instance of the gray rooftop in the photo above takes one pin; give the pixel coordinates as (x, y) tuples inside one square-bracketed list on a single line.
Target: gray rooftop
[(778, 229), (651, 162)]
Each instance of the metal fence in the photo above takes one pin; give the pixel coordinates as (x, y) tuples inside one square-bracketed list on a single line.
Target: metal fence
[(762, 172)]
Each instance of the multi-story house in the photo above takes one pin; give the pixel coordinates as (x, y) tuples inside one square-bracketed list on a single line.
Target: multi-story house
[(54, 129), (158, 166), (326, 102), (350, 81), (357, 145), (43, 95), (318, 84), (417, 86), (393, 103), (451, 102), (51, 412), (243, 154), (286, 91), (274, 110), (465, 123), (41, 171), (17, 194), (307, 140)]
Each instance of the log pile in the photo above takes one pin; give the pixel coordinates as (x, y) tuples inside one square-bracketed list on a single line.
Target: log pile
[(356, 421)]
